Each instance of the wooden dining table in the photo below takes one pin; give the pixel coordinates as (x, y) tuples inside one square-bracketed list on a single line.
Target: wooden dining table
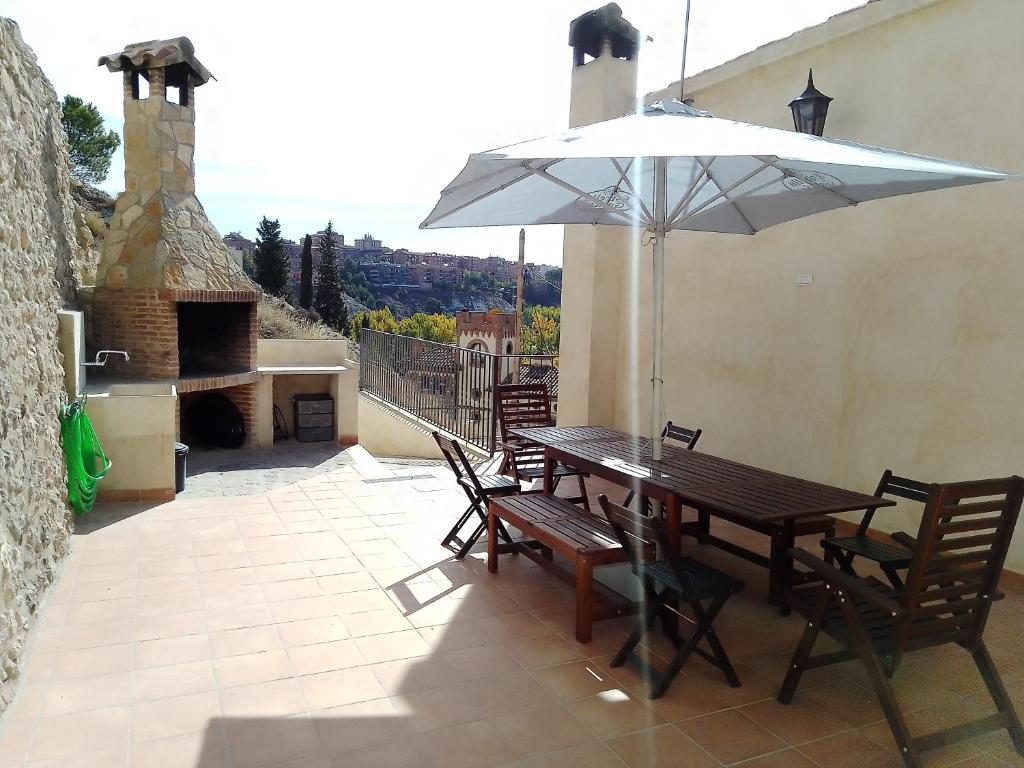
[(720, 487)]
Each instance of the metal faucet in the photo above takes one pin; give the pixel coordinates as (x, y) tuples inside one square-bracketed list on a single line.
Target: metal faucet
[(101, 356)]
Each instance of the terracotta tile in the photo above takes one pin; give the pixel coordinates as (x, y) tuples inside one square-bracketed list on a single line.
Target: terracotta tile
[(173, 602), (222, 596), (108, 757), (400, 754), (89, 662), (788, 758), (795, 723), (575, 680), (309, 631), (375, 622), (69, 735), (96, 634), (16, 741), (247, 668), (84, 693), (333, 566), (407, 675), (663, 747), (282, 572), (706, 692), (361, 601), (850, 702), (257, 742), (613, 713), (170, 625), (343, 728), (538, 731), (302, 608), (174, 680), (453, 637), (851, 750), (111, 589), (235, 642), (204, 749), (275, 698), (88, 612), (291, 589), (541, 651), (589, 755), (730, 737), (340, 583), (28, 703), (340, 687), (171, 650), (395, 645), (166, 567), (238, 617), (470, 744), (174, 716), (325, 657)]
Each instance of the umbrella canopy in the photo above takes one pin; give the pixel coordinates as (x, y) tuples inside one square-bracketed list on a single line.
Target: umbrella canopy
[(670, 166)]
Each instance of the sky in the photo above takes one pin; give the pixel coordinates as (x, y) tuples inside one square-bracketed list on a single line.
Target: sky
[(361, 112)]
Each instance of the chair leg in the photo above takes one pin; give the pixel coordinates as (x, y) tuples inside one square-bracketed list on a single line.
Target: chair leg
[(629, 499), (894, 578), (471, 540), (880, 681), (716, 645), (703, 527), (998, 692), (643, 625), (492, 542), (805, 646), (457, 527), (584, 599)]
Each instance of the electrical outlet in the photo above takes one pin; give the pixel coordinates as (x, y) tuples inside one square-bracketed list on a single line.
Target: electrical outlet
[(803, 280)]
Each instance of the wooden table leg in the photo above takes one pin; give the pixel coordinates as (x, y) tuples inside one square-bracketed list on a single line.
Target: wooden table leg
[(492, 541), (780, 575), (584, 599), (673, 525), (549, 473)]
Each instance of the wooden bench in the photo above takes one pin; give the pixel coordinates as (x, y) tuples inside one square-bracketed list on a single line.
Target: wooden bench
[(556, 526)]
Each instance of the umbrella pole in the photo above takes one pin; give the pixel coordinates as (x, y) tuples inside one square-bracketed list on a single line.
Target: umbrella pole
[(658, 320)]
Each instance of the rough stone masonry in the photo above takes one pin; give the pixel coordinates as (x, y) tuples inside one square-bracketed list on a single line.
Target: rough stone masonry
[(40, 254)]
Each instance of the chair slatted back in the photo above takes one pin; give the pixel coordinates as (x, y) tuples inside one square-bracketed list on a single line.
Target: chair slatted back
[(636, 532), (894, 485), (523, 405), (954, 573), (688, 437), (462, 467)]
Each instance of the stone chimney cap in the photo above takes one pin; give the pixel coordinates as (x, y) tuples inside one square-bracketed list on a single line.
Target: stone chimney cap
[(589, 32), (176, 55)]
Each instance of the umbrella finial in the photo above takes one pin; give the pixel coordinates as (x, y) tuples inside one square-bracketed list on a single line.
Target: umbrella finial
[(810, 78)]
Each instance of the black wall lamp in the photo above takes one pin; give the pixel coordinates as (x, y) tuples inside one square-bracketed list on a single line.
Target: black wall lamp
[(810, 109)]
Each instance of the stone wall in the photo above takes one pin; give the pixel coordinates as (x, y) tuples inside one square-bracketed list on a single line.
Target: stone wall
[(39, 254)]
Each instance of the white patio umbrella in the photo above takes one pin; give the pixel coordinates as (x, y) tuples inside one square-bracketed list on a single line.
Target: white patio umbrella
[(669, 166)]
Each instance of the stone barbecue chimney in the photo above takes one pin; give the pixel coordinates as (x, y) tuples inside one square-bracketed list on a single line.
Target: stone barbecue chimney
[(167, 289)]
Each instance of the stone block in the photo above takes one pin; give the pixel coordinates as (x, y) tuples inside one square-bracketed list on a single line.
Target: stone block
[(185, 132), (129, 216), (116, 276)]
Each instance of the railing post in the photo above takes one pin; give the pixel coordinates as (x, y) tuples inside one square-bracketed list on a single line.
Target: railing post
[(495, 378)]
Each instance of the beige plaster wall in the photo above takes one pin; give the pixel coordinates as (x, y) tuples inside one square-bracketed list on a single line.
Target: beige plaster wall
[(383, 431), (137, 433), (301, 351), (906, 350)]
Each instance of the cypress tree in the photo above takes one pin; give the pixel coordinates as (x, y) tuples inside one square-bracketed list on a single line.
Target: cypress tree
[(306, 275), (270, 259), (329, 301)]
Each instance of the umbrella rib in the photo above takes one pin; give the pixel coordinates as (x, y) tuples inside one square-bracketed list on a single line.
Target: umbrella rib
[(578, 192), (501, 187), (786, 172), (698, 184), (724, 192), (624, 177), (735, 202)]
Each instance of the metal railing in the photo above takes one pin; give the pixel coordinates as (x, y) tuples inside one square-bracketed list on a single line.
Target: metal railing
[(450, 387)]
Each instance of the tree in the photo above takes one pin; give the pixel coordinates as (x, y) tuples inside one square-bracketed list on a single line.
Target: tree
[(306, 274), (329, 301), (432, 306), (541, 330), (90, 147), (271, 261)]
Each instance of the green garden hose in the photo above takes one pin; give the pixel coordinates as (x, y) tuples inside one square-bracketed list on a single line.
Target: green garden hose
[(85, 458)]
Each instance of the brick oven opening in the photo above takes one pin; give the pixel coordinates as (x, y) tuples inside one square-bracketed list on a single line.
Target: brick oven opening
[(214, 338)]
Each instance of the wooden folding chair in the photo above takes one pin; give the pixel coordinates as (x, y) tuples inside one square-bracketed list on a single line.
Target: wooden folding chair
[(666, 583), (952, 580), (686, 437), (529, 405), (891, 558), (479, 490)]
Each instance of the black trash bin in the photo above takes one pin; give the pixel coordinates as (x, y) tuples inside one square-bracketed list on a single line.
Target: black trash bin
[(180, 455)]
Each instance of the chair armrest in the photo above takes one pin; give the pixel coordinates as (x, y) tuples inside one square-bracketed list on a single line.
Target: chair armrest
[(851, 584), (904, 539)]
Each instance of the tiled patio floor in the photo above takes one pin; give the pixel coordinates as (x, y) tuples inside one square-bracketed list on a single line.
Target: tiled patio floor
[(315, 622)]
